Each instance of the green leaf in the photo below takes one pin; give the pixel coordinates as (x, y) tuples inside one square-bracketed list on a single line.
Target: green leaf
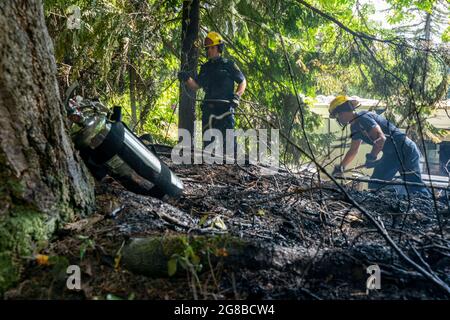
[(172, 267), (203, 220), (110, 296), (446, 35), (218, 223), (195, 259)]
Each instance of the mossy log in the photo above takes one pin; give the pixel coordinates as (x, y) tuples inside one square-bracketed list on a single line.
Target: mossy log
[(151, 256)]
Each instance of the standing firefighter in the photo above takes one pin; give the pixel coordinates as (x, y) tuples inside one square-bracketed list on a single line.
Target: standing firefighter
[(400, 154), (217, 77)]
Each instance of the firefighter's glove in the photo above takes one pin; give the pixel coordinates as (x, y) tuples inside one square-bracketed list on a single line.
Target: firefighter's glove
[(371, 161), (235, 101), (183, 76), (338, 171)]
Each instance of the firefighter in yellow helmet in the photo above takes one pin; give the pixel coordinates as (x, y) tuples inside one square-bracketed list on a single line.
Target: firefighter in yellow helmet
[(217, 77), (400, 154)]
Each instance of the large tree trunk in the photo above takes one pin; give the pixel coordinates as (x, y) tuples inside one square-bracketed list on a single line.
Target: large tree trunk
[(42, 181), (189, 61)]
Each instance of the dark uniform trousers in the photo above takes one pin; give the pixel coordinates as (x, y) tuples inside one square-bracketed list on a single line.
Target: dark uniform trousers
[(406, 162), (218, 116)]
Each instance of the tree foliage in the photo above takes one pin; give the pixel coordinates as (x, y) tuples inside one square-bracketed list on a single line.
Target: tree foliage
[(286, 49)]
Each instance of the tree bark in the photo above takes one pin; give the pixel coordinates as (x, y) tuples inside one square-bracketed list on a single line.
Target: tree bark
[(43, 182), (132, 76), (189, 62)]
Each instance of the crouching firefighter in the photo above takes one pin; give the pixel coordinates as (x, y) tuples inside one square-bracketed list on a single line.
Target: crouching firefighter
[(400, 154), (217, 78)]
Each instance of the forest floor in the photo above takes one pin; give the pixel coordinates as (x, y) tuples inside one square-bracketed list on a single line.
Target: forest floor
[(309, 242)]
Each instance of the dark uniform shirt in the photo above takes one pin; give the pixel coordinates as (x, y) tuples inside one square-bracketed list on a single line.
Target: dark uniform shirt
[(217, 78), (365, 121)]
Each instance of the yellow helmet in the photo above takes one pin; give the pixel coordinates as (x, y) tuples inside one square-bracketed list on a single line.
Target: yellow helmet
[(213, 39), (340, 101)]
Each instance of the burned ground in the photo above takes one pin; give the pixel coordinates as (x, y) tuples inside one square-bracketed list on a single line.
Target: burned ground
[(294, 240)]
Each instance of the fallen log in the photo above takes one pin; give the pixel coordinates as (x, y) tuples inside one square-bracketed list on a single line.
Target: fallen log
[(151, 256)]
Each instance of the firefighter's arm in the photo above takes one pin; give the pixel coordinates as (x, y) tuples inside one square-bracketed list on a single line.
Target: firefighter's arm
[(351, 153), (238, 77), (378, 138), (192, 84), (184, 77), (241, 88)]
